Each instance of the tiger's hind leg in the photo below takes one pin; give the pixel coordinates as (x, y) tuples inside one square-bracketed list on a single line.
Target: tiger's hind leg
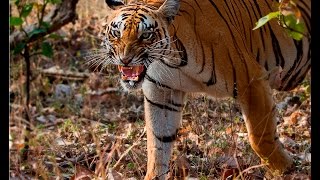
[(259, 112)]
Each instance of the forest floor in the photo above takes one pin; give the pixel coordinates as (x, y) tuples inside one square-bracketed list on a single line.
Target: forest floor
[(84, 126)]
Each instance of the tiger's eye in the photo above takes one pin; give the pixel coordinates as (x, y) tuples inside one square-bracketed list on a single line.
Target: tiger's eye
[(147, 35), (116, 33)]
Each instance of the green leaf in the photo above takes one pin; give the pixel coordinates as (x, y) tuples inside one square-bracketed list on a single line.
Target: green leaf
[(26, 10), (47, 49), (45, 24), (37, 31), (130, 165), (266, 18), (19, 47), (17, 2), (295, 35), (308, 89), (55, 36), (15, 21), (294, 27)]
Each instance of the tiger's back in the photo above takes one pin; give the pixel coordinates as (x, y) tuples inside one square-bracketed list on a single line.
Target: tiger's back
[(231, 22)]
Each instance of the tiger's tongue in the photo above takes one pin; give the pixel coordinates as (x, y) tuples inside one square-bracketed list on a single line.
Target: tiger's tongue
[(131, 73), (128, 72)]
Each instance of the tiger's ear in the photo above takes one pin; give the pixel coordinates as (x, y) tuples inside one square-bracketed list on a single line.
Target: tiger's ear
[(170, 9), (115, 4)]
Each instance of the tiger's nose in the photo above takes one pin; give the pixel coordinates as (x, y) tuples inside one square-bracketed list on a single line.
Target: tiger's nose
[(126, 60)]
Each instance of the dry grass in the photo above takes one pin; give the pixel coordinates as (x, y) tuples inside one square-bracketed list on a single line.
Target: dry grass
[(103, 135)]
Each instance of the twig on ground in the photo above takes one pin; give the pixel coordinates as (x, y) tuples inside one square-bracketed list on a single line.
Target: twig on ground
[(138, 141), (249, 168), (74, 160)]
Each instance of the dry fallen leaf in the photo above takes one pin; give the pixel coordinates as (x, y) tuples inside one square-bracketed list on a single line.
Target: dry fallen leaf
[(228, 130), (293, 118), (82, 173), (297, 177), (113, 175)]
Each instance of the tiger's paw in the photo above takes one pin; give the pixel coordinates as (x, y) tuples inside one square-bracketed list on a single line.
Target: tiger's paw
[(279, 167)]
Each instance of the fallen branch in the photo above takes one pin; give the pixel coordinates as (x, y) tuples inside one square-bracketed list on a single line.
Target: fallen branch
[(55, 71), (16, 118), (101, 92)]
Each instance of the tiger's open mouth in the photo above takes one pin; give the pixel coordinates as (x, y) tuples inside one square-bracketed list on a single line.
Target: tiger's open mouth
[(132, 73)]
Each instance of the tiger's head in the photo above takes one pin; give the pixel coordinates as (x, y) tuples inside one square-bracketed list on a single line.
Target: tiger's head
[(134, 35)]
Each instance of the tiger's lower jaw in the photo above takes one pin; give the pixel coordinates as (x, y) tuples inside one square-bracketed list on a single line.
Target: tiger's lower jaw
[(130, 85), (133, 84)]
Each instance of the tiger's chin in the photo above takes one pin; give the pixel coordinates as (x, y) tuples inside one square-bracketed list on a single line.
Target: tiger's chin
[(132, 76)]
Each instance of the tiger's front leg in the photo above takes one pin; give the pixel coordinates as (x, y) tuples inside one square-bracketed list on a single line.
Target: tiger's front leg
[(163, 107)]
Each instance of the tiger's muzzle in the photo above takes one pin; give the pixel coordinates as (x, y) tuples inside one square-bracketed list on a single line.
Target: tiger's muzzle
[(132, 76)]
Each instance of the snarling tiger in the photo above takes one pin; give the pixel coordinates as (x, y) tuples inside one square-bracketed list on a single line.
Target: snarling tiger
[(170, 48)]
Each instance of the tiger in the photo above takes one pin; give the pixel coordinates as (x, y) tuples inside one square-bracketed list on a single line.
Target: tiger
[(169, 48)]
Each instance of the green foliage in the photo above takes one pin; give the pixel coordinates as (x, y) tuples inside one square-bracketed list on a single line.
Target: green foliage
[(295, 28), (69, 126), (203, 177), (112, 127), (54, 36), (26, 10), (262, 21), (45, 24), (130, 165), (236, 119), (16, 2), (36, 31), (289, 19), (140, 122), (16, 21), (19, 47), (47, 49)]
